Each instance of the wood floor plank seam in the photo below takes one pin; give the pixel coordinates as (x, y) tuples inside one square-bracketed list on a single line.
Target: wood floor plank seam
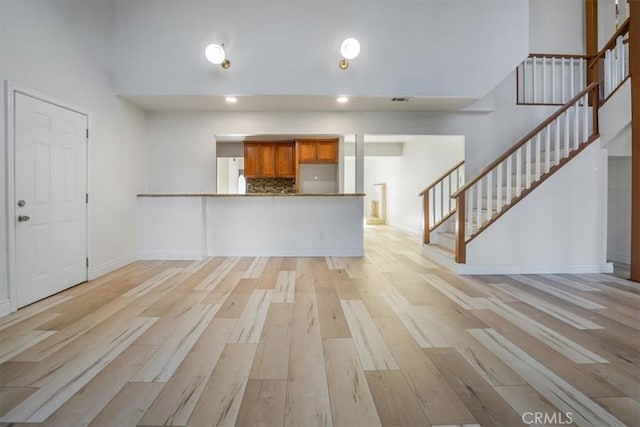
[(562, 394), (390, 338), (40, 405)]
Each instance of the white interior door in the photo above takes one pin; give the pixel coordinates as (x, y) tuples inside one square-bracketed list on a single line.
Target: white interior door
[(50, 206)]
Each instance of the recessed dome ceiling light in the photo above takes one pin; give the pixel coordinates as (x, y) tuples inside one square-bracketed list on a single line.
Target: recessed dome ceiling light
[(231, 99), (342, 99)]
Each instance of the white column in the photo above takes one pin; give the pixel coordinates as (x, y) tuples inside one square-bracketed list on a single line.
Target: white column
[(360, 163), (215, 165), (341, 164)]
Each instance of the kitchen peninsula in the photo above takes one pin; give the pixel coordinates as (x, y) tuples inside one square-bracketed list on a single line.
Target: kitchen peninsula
[(290, 207), (195, 226)]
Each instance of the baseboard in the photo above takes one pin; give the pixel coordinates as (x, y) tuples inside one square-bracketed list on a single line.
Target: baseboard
[(5, 308), (464, 269), (170, 256), (405, 229), (101, 270), (619, 257), (313, 252)]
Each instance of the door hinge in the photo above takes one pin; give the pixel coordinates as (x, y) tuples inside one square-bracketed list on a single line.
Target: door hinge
[(86, 198), (87, 262), (87, 133)]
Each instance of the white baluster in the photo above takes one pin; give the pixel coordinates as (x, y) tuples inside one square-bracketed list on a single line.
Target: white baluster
[(490, 195), (533, 79), (499, 188), (572, 76), (544, 85), (619, 74), (547, 147), (553, 80), (607, 73), (557, 141), (538, 154), (509, 178), (469, 202), (479, 205), (528, 165), (576, 126), (441, 185), (625, 51), (567, 137), (585, 118), (518, 171), (562, 81), (581, 73), (449, 194)]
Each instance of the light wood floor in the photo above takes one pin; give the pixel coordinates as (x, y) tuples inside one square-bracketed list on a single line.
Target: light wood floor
[(388, 339)]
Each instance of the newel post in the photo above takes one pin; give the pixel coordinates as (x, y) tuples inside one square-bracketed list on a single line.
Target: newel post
[(425, 209), (461, 245)]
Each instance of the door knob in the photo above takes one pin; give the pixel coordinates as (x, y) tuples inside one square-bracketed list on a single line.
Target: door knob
[(23, 218)]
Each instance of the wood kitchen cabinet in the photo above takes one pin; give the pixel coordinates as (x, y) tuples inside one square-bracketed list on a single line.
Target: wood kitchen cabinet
[(317, 150), (252, 160), (285, 160), (269, 160)]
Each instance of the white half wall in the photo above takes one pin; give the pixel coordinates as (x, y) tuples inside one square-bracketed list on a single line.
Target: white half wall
[(64, 50), (171, 228), (285, 226), (190, 228), (559, 228)]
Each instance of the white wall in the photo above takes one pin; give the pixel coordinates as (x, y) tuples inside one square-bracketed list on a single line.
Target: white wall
[(619, 219), (560, 227), (556, 26), (64, 49), (424, 159), (292, 46), (181, 145)]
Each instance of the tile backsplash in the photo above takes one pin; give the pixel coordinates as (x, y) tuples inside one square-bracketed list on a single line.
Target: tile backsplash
[(271, 185)]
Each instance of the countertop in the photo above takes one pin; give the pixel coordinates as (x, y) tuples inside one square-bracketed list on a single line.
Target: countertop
[(249, 195)]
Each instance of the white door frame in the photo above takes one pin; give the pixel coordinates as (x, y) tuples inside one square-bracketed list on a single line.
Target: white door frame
[(11, 88)]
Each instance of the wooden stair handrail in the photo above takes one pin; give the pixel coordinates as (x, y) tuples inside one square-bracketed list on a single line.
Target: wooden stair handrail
[(559, 55), (441, 178), (525, 139), (624, 28)]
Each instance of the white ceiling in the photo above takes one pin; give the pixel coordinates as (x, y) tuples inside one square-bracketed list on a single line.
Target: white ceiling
[(296, 103)]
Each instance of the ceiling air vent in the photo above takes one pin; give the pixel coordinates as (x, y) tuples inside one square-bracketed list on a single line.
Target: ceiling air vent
[(400, 99)]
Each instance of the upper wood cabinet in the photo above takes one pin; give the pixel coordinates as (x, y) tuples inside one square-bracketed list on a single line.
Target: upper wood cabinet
[(285, 160), (252, 160), (269, 160), (317, 150)]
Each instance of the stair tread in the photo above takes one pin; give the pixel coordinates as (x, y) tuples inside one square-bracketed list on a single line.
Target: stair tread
[(444, 250), (448, 234)]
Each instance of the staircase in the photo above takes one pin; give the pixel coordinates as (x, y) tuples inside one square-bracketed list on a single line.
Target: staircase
[(479, 202)]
